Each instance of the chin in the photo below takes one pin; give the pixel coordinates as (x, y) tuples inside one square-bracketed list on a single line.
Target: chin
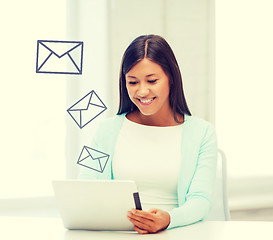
[(146, 113)]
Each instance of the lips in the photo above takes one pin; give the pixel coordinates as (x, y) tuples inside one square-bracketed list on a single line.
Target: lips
[(146, 101)]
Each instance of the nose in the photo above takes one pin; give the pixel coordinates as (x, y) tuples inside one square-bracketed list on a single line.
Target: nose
[(143, 90)]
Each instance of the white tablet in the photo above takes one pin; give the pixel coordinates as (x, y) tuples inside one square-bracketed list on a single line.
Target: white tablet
[(96, 204)]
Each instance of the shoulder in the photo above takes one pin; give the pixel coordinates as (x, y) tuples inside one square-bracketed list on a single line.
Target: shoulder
[(112, 123), (108, 129), (195, 126), (113, 119), (195, 121)]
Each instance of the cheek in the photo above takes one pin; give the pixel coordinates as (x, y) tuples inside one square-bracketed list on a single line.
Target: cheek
[(164, 91)]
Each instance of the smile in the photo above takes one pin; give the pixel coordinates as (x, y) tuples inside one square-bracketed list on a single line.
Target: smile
[(146, 101)]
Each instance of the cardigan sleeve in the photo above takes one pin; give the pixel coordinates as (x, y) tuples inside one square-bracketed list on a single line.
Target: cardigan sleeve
[(197, 202)]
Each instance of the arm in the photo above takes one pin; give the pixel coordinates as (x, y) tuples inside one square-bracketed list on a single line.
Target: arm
[(198, 197)]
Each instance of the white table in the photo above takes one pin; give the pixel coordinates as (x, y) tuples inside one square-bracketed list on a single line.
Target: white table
[(21, 228)]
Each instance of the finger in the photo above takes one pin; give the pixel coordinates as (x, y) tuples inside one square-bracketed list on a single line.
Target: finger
[(140, 215), (140, 221), (142, 225), (149, 226), (141, 231), (143, 214), (140, 228)]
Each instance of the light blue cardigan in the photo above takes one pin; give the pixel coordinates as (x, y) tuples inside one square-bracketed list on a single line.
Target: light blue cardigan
[(197, 171)]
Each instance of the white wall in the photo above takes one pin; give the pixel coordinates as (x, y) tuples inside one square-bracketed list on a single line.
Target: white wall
[(32, 118), (244, 83)]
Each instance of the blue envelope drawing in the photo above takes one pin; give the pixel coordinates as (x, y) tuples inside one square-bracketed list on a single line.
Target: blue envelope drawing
[(59, 57), (93, 159), (86, 109)]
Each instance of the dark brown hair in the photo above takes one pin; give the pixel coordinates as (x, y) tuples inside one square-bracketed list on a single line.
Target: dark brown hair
[(156, 49)]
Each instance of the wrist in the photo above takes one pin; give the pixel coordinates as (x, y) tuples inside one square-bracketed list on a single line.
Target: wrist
[(168, 220)]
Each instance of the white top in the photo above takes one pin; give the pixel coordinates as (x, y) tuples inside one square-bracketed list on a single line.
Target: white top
[(150, 156)]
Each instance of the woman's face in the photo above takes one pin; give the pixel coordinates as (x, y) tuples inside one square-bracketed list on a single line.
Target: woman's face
[(148, 88)]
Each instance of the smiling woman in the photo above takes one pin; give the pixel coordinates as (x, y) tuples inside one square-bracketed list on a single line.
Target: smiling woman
[(143, 61), (149, 92), (155, 141)]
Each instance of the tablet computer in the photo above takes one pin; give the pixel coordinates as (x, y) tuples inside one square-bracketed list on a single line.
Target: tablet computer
[(96, 204)]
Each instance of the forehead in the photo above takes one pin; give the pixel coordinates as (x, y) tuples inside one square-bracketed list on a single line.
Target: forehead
[(146, 68)]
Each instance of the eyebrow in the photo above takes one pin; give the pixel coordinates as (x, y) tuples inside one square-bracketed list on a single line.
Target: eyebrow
[(131, 77), (149, 75)]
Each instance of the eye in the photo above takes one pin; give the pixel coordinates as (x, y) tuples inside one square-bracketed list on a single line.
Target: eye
[(132, 82), (152, 81)]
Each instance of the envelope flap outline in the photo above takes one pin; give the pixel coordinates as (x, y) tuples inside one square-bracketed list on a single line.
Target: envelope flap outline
[(82, 104), (96, 101), (54, 46), (84, 155), (95, 154)]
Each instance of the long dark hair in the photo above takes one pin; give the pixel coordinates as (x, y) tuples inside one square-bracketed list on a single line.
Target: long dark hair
[(156, 49)]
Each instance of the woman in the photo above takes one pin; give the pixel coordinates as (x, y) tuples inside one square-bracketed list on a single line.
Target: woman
[(155, 141)]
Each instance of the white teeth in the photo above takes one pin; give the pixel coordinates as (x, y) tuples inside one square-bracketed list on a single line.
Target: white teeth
[(146, 100)]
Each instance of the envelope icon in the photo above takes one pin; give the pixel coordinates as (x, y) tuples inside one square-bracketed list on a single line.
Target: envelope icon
[(59, 57), (93, 159), (86, 109)]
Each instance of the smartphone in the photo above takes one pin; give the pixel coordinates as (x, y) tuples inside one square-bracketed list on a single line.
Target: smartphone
[(137, 201)]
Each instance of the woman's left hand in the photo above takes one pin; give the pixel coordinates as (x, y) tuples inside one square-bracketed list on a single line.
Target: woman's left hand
[(151, 221)]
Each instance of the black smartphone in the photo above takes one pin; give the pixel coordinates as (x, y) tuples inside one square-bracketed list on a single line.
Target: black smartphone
[(137, 201)]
